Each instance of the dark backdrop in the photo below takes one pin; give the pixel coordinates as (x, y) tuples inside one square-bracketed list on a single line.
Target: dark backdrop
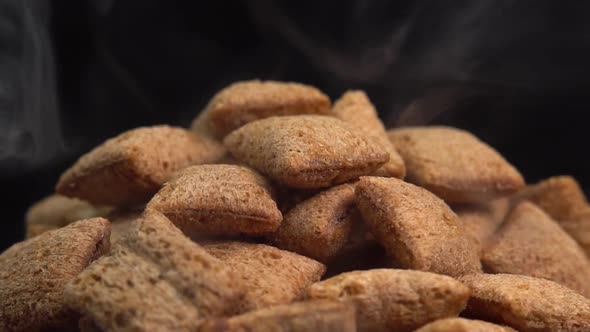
[(73, 73)]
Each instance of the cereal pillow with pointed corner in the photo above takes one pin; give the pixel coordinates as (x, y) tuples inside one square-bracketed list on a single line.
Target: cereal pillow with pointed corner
[(247, 101), (316, 316), (463, 325), (320, 226), (526, 304), (355, 108), (131, 167), (34, 274), (271, 276), (531, 243), (482, 220), (454, 164), (218, 200), (306, 151), (562, 198), (56, 211), (394, 300), (416, 228), (154, 279)]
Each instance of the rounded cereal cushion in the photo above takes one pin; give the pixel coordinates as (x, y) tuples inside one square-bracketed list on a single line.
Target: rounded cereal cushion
[(320, 226), (247, 101), (355, 108), (527, 304), (530, 243), (394, 300), (306, 151), (34, 274), (454, 164), (416, 228), (218, 200), (271, 276), (130, 168)]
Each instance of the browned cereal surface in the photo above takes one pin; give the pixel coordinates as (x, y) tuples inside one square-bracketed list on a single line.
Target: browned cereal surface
[(454, 164), (320, 226), (416, 228), (563, 199), (131, 167), (355, 108), (306, 151), (271, 276), (482, 220), (560, 196), (463, 325), (56, 211), (317, 316), (154, 279), (33, 274), (394, 300), (219, 200), (531, 243), (121, 221), (527, 304), (247, 101)]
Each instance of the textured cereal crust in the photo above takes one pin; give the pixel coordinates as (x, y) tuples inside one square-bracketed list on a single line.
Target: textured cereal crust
[(154, 279), (320, 226), (271, 276), (247, 101), (454, 164), (563, 199), (463, 325), (131, 167), (531, 243), (219, 200), (482, 220), (56, 211), (416, 228), (355, 108), (317, 316), (306, 151), (527, 304), (394, 300), (121, 221), (33, 274)]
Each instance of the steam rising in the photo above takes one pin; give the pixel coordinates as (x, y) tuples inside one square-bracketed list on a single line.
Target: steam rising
[(29, 119)]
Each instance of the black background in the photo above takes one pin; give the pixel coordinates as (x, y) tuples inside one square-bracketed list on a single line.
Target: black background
[(73, 73)]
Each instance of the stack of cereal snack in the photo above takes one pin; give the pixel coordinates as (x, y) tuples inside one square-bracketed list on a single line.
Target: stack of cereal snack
[(278, 211)]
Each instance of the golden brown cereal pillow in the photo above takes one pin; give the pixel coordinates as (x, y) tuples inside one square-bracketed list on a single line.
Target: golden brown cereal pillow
[(154, 279), (463, 325), (219, 200), (131, 167), (355, 108), (247, 101), (320, 226), (316, 316), (271, 276), (527, 304), (482, 220), (563, 199), (394, 300), (306, 151), (416, 228), (122, 220), (33, 274), (56, 211), (531, 243), (454, 164)]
